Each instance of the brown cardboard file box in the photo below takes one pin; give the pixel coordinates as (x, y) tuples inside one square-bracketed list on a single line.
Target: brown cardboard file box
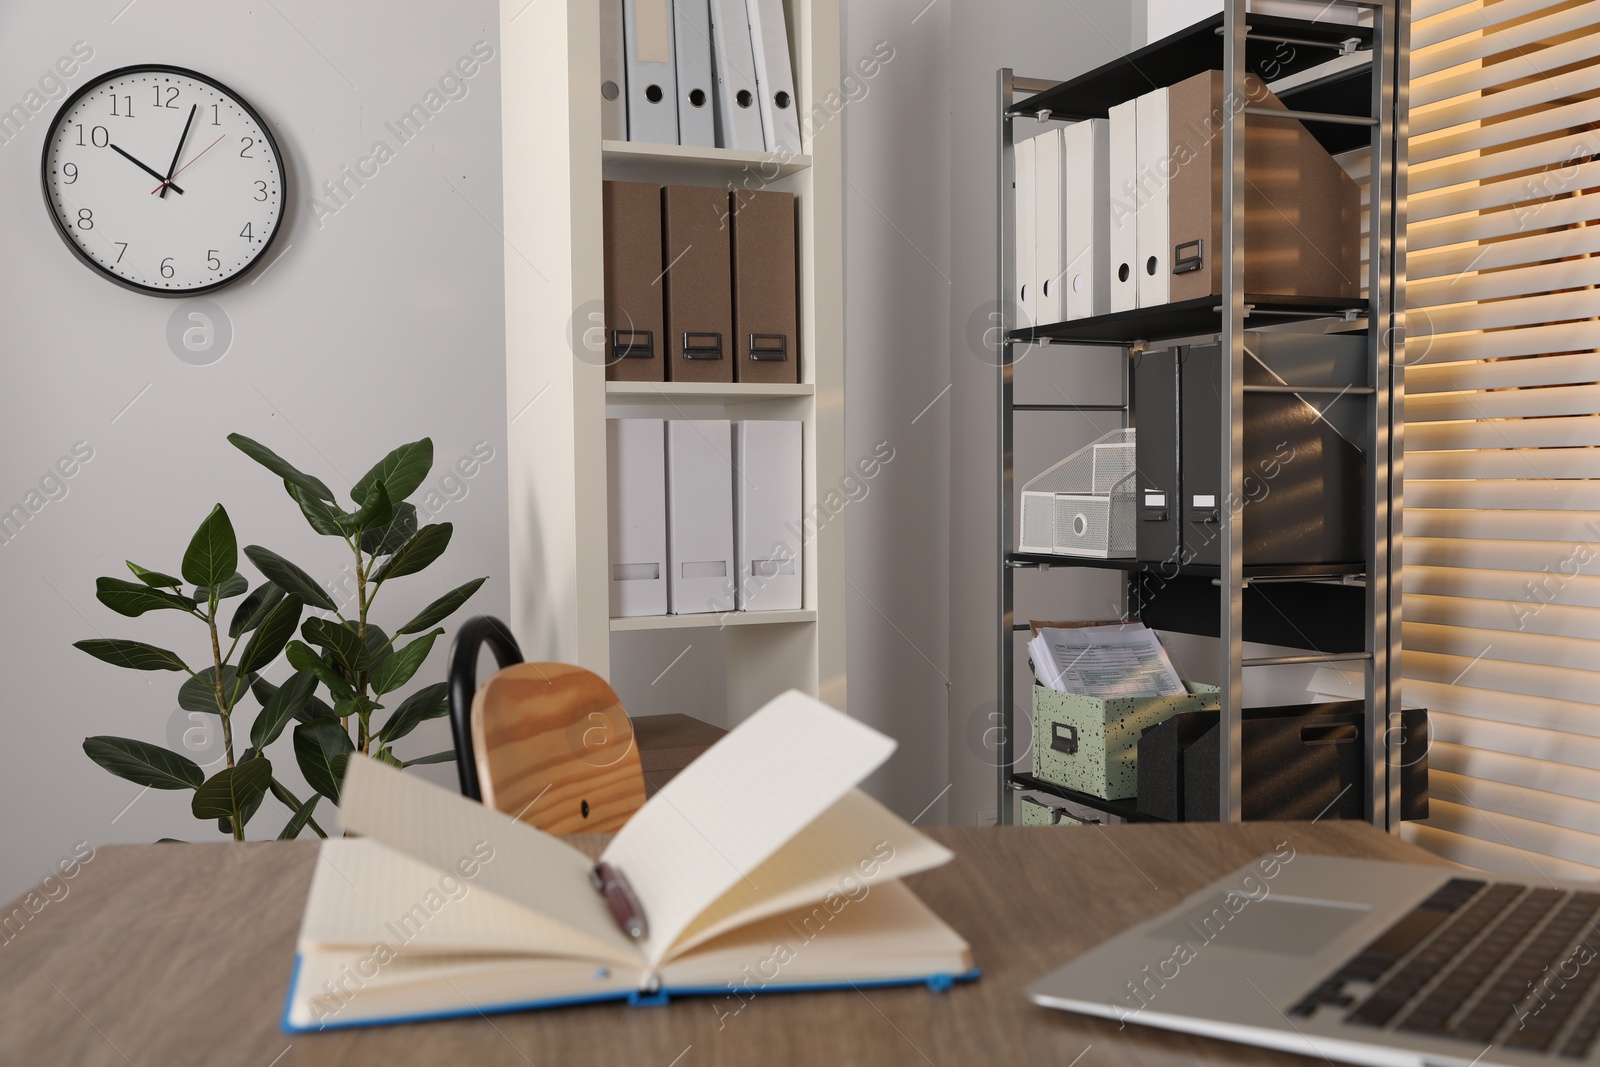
[(766, 316), (1302, 212), (697, 255), (635, 329), (1091, 744)]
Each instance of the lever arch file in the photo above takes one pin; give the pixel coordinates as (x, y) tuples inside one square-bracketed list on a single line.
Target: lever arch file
[(700, 516), (738, 105), (766, 316), (636, 516), (699, 284), (1027, 235), (613, 74), (1152, 150), (769, 38), (1087, 209), (697, 123), (1050, 242), (1124, 206), (635, 326), (766, 512), (1155, 386), (652, 71)]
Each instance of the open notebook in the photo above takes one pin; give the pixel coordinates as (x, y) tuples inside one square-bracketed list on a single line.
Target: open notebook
[(760, 867)]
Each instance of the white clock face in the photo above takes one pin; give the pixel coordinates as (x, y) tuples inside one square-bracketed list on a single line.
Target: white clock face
[(163, 180)]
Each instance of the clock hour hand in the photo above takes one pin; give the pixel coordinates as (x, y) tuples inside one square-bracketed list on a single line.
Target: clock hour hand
[(167, 181), (148, 170)]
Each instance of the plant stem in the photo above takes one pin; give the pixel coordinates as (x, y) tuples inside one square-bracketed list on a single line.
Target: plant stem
[(223, 707), (361, 632)]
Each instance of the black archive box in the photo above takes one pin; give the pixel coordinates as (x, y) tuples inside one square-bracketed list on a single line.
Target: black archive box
[(1299, 762)]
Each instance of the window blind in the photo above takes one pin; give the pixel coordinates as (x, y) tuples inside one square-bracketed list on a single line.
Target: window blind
[(1502, 467)]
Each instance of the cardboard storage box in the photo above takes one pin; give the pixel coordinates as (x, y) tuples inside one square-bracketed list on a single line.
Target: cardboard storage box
[(1031, 812), (1091, 745)]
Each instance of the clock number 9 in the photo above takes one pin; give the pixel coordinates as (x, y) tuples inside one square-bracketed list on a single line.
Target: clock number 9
[(71, 171), (166, 267)]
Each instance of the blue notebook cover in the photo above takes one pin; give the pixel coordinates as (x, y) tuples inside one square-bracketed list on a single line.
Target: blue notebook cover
[(935, 982)]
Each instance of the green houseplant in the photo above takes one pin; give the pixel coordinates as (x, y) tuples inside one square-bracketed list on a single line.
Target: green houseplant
[(349, 657)]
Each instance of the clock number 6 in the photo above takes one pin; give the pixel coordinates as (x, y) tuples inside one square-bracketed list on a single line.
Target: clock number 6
[(166, 267)]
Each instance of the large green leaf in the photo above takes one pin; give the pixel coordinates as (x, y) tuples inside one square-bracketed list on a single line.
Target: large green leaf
[(323, 517), (334, 636), (213, 552), (233, 789), (200, 694), (378, 646), (254, 609), (281, 707), (427, 545), (298, 820), (312, 707), (270, 637), (250, 802), (384, 540), (290, 578), (302, 657), (135, 655), (154, 579), (143, 763), (234, 585), (401, 470), (383, 755), (397, 670), (135, 598), (430, 702), (316, 746), (447, 756), (377, 511), (279, 466), (442, 608)]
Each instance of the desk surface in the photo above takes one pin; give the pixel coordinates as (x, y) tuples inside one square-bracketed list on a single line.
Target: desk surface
[(164, 955)]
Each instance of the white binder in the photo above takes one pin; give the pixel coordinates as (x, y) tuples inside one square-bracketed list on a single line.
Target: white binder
[(1025, 290), (652, 71), (738, 107), (1153, 139), (766, 514), (697, 123), (1123, 175), (769, 40), (1050, 239), (613, 73), (1086, 187), (700, 515), (636, 515)]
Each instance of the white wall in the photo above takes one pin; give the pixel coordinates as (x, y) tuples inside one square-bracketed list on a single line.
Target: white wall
[(383, 324)]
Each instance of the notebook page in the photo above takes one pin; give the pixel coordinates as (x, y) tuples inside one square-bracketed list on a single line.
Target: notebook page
[(724, 814), (365, 893), (441, 828), (852, 847)]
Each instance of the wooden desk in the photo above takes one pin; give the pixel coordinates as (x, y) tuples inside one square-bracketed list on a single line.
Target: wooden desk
[(164, 955)]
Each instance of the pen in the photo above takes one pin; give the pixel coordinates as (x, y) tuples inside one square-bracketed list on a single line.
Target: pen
[(621, 899)]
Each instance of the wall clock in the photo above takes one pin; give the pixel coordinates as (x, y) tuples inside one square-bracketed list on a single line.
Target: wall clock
[(163, 180)]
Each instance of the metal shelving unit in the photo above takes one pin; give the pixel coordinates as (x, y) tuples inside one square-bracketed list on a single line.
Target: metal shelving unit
[(1361, 104)]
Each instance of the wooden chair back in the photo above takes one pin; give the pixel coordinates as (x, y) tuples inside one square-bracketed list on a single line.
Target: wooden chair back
[(554, 748)]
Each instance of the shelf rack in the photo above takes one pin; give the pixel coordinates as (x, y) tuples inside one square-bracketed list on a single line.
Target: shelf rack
[(1359, 103)]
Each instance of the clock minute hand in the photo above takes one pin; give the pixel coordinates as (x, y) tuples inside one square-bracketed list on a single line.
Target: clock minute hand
[(167, 181), (148, 170)]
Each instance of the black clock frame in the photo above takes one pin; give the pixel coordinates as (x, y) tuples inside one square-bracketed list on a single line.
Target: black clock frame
[(66, 235)]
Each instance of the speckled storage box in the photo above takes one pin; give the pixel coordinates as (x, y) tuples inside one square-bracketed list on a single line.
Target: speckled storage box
[(1032, 813), (1091, 745)]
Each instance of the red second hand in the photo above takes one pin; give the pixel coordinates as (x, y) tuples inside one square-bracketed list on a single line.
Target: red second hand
[(189, 164)]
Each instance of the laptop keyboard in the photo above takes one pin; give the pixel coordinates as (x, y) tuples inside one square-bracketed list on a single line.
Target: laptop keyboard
[(1483, 962)]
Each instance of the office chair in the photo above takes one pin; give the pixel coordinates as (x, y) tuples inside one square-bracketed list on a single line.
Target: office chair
[(546, 743)]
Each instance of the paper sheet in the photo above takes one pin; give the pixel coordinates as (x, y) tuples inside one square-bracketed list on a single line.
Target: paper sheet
[(1104, 661)]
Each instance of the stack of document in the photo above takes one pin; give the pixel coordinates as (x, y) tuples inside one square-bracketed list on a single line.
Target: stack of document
[(1118, 660), (1125, 212), (712, 73)]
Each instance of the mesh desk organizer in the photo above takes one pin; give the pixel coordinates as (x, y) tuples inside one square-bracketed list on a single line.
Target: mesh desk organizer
[(1084, 505)]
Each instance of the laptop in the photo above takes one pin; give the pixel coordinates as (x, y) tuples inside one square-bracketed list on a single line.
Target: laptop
[(1360, 961)]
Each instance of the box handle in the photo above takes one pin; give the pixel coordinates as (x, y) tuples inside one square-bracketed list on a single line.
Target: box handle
[(634, 344), (1064, 738), (773, 347), (1189, 256), (702, 346), (1333, 733)]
